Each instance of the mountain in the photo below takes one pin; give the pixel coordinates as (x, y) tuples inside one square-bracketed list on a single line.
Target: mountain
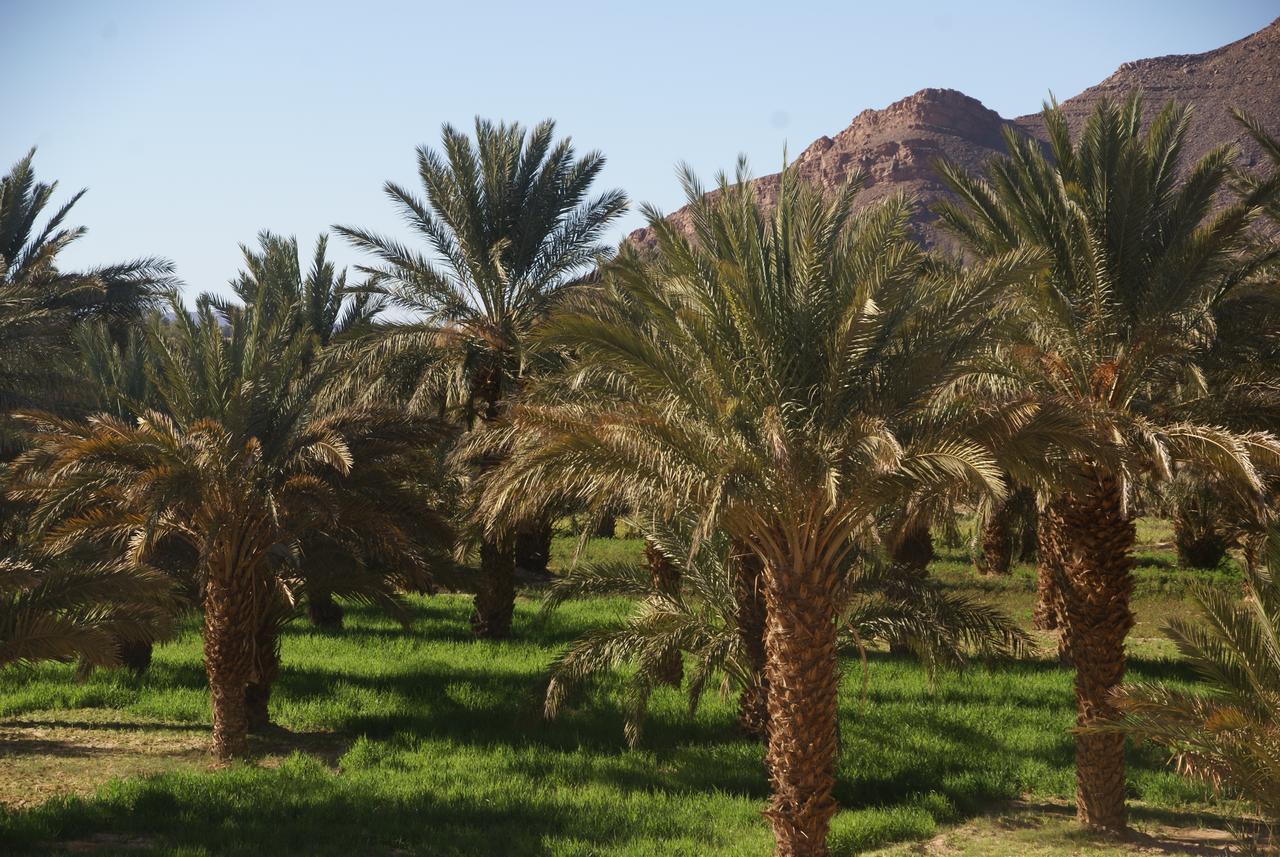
[(897, 145)]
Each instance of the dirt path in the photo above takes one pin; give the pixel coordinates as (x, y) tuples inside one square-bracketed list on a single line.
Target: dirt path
[(1048, 829)]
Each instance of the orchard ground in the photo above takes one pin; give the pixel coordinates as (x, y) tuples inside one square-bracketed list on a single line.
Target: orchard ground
[(425, 742)]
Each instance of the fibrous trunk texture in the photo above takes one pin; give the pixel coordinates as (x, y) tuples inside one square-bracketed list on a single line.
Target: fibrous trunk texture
[(753, 704), (608, 526), (533, 548), (1029, 534), (495, 601), (266, 669), (1045, 615), (324, 611), (914, 551), (666, 579), (229, 628), (1095, 582), (995, 554), (496, 597), (800, 647)]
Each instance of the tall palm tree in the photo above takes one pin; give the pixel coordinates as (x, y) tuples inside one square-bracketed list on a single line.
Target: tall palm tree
[(1118, 324), (508, 227), (789, 375), (41, 304), (239, 465)]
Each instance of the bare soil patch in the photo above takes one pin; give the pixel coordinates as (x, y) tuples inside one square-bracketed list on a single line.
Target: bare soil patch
[(45, 754)]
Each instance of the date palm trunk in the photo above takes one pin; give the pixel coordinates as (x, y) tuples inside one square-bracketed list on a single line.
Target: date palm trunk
[(607, 528), (533, 548), (495, 602), (229, 629), (325, 613), (666, 579), (1094, 538), (266, 669), (1198, 540), (749, 604), (995, 553), (1045, 615), (911, 557), (801, 669), (1029, 536)]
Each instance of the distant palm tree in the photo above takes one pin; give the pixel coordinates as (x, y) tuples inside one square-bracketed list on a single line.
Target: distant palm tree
[(40, 303), (789, 375), (1228, 731), (240, 465), (1118, 326), (508, 227)]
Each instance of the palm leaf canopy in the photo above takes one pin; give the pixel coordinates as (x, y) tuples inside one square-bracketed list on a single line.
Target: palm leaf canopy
[(1143, 254), (805, 364), (41, 304), (237, 443), (508, 225)]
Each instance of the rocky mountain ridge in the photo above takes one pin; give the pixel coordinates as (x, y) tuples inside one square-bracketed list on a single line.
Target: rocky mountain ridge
[(897, 145)]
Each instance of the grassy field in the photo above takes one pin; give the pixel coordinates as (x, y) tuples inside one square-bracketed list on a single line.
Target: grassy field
[(427, 743)]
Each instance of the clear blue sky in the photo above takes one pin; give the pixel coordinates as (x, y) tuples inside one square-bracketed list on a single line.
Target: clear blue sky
[(195, 124)]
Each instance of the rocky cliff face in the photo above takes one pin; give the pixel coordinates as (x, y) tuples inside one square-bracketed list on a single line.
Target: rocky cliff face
[(1243, 74), (897, 146)]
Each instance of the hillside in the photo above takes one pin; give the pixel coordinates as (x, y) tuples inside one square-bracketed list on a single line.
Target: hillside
[(897, 145)]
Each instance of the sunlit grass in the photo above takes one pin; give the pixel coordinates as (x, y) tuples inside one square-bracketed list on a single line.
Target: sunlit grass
[(442, 748)]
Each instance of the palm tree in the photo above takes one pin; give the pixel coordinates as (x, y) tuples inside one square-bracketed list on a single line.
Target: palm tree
[(788, 375), (239, 465), (41, 304), (1006, 532), (1138, 258), (1228, 732), (508, 226), (63, 609), (273, 278)]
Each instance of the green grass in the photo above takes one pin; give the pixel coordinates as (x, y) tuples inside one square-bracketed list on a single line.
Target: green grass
[(439, 748)]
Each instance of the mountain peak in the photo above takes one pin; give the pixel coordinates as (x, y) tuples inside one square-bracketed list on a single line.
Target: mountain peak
[(896, 146)]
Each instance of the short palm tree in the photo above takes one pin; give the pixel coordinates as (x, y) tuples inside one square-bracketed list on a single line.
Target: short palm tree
[(508, 226), (1138, 257), (65, 609), (1228, 731), (239, 466), (789, 375)]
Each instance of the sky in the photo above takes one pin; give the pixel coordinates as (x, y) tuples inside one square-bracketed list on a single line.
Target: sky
[(196, 124)]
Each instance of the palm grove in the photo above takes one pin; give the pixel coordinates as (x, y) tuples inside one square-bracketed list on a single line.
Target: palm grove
[(781, 399)]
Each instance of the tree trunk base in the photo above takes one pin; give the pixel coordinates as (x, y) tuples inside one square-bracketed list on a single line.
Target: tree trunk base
[(533, 550), (803, 734), (1094, 540), (325, 613), (135, 656), (495, 602)]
